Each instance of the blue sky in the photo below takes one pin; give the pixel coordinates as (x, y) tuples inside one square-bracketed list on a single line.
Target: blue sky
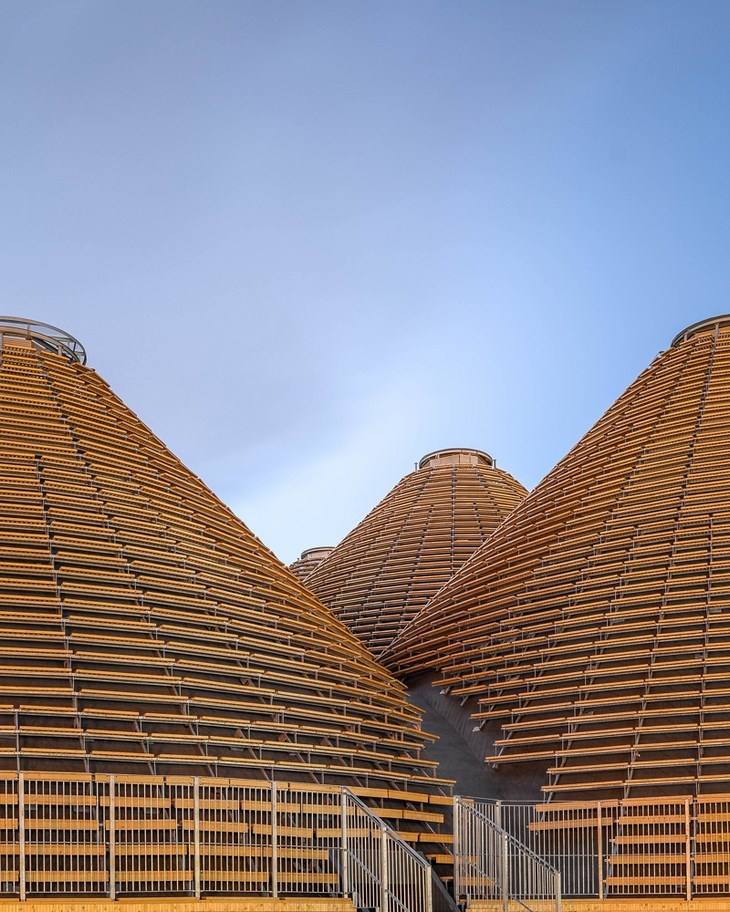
[(309, 241)]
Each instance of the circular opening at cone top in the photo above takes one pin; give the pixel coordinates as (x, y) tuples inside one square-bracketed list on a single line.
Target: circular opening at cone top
[(704, 326), (320, 552), (460, 456), (44, 337)]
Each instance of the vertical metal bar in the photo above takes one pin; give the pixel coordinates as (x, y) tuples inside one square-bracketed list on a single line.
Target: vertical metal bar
[(21, 834), (558, 892), (274, 844), (384, 905), (458, 877), (688, 850), (196, 834), (345, 863), (505, 872), (429, 889), (112, 848), (599, 848)]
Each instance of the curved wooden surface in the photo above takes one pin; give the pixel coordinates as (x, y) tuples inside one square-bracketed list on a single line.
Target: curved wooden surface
[(594, 625), (145, 630), (308, 560), (383, 573)]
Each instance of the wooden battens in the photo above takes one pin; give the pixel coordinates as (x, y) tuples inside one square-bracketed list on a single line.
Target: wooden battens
[(383, 573), (147, 631), (594, 623)]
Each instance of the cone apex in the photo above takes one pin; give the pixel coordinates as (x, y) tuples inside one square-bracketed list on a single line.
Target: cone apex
[(455, 456), (711, 324), (44, 336)]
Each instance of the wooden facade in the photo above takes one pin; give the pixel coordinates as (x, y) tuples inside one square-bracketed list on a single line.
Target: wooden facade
[(383, 573), (308, 561), (145, 631), (594, 625)]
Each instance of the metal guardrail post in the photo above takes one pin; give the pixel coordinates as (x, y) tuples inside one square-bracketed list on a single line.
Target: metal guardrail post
[(458, 876), (428, 892), (505, 871), (688, 849), (21, 834), (274, 843), (384, 870), (599, 848), (505, 855), (196, 835), (345, 862), (112, 841), (558, 892)]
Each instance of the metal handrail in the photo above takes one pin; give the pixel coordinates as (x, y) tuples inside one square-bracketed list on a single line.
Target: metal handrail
[(44, 336), (116, 836), (655, 846), (491, 863), (383, 871)]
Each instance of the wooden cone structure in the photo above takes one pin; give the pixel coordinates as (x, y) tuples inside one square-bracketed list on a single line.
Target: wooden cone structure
[(308, 561), (146, 630), (594, 625), (381, 575)]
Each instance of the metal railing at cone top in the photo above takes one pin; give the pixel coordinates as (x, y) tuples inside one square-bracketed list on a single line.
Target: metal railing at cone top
[(116, 836), (491, 864)]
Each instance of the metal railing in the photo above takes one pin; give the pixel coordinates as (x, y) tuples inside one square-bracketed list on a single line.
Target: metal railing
[(381, 871), (43, 336), (117, 836), (567, 839), (492, 864), (631, 847)]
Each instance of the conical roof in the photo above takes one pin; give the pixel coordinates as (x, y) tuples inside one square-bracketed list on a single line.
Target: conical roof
[(593, 625), (145, 629), (381, 575), (308, 560)]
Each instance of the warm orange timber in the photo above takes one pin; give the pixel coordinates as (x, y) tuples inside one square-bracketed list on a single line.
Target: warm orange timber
[(381, 575), (594, 625)]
